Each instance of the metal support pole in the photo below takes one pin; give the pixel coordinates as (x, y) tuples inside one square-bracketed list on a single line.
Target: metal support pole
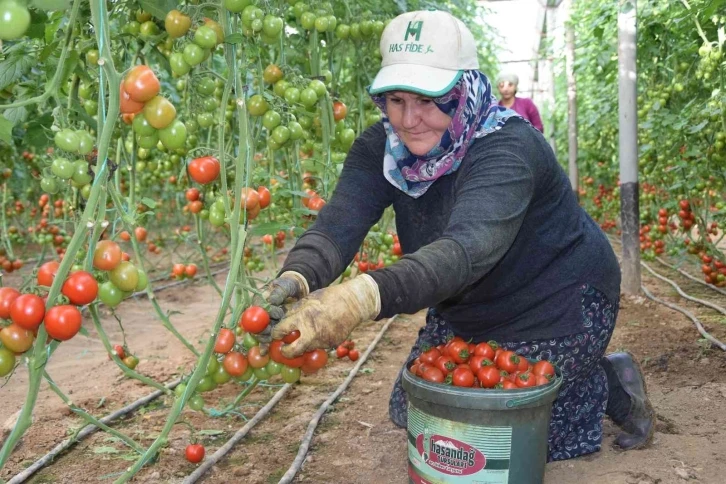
[(628, 137), (550, 72), (571, 107)]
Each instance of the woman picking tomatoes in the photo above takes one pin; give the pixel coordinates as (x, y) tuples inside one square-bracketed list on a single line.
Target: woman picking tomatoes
[(495, 241)]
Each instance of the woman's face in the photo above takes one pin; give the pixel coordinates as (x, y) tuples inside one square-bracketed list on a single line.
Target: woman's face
[(416, 120), (507, 89)]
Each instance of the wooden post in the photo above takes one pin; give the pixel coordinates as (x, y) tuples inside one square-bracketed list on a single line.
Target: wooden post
[(628, 139)]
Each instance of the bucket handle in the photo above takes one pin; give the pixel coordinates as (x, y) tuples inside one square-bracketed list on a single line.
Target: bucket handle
[(516, 402)]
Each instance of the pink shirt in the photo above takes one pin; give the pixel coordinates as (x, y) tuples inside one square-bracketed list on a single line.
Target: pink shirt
[(526, 108)]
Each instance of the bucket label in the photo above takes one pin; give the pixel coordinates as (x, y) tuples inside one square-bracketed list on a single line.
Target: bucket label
[(445, 451)]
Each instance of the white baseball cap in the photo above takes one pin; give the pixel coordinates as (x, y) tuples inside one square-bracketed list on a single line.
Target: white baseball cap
[(424, 52)]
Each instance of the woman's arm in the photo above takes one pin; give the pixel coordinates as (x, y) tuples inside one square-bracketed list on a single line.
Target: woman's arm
[(491, 204), (534, 117), (358, 202)]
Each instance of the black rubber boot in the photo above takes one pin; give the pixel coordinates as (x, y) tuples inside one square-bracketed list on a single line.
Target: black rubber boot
[(639, 422)]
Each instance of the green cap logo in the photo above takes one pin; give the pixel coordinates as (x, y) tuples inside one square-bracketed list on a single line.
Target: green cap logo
[(414, 28)]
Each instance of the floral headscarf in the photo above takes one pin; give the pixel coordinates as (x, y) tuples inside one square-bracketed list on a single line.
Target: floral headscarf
[(474, 114)]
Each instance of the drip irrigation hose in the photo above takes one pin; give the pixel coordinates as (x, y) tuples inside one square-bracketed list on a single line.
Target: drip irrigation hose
[(85, 432), (307, 439), (682, 293)]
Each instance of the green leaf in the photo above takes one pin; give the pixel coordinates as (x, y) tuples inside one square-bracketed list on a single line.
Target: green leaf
[(15, 67), (16, 115), (51, 5), (158, 8), (84, 332), (6, 130), (211, 432), (148, 202), (38, 20), (234, 39), (71, 63)]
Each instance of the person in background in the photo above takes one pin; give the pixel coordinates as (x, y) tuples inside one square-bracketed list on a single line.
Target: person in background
[(507, 84), (494, 240)]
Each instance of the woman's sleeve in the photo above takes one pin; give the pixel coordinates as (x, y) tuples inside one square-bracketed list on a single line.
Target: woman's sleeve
[(534, 117), (490, 206), (358, 202)]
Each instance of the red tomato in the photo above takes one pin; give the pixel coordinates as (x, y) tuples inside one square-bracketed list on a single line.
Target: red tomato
[(523, 364), (255, 359), (485, 350), (459, 351), (80, 288), (142, 84), (27, 311), (192, 194), (543, 368), (341, 351), (8, 295), (140, 233), (508, 385), (507, 361), (16, 339), (128, 105), (194, 453), (254, 320), (488, 376), (477, 362), (235, 363), (433, 374), (291, 337), (541, 380), (120, 352), (190, 270), (462, 377), (204, 170), (63, 322), (430, 356), (353, 354), (225, 341), (525, 380), (340, 110), (314, 360), (265, 196), (47, 272), (277, 356), (445, 363), (107, 255)]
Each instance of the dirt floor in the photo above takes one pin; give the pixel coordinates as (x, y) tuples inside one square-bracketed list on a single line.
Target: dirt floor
[(356, 442)]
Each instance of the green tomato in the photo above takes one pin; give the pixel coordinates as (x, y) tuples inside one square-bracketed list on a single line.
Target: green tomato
[(86, 191), (193, 54), (206, 384), (257, 105), (281, 87), (143, 281), (296, 131), (141, 126), (292, 95), (290, 375), (148, 29), (221, 376), (67, 140), (236, 6), (205, 120), (273, 368), (174, 135), (196, 402), (261, 373), (180, 389), (346, 138), (50, 185), (271, 120), (206, 86), (205, 37), (342, 31), (125, 276), (90, 106), (62, 168), (321, 24), (192, 126), (85, 142), (281, 135), (319, 87), (272, 26), (80, 174), (210, 104), (212, 366), (308, 98), (249, 341), (14, 20), (216, 218), (306, 122), (132, 27), (179, 65), (246, 375), (109, 294), (148, 142), (299, 8), (307, 20)]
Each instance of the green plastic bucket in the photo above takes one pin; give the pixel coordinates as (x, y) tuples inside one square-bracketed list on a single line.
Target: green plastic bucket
[(474, 436)]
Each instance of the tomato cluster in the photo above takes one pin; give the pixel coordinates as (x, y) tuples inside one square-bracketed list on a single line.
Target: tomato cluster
[(181, 271), (278, 240), (483, 365), (124, 278), (347, 348)]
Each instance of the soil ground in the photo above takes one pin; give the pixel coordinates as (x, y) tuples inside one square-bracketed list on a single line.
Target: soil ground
[(355, 441)]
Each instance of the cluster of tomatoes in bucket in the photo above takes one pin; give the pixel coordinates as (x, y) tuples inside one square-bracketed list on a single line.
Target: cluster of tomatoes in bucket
[(482, 365)]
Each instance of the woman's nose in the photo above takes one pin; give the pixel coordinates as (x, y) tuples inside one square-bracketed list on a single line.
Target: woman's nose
[(410, 117)]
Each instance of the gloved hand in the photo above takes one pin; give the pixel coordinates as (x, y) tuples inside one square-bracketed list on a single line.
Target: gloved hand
[(290, 285), (327, 316)]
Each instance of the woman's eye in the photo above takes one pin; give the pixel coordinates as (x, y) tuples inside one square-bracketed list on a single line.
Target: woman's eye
[(394, 100)]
